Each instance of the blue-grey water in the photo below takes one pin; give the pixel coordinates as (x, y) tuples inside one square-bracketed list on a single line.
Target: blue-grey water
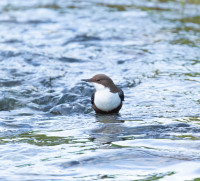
[(48, 130)]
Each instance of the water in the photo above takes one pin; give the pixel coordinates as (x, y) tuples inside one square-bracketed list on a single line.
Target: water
[(48, 130)]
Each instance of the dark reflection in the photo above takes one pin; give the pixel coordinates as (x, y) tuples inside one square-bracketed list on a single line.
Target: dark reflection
[(9, 83), (111, 129), (71, 60), (82, 38), (9, 103), (111, 118)]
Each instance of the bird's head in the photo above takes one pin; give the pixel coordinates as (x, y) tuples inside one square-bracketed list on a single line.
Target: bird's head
[(102, 81)]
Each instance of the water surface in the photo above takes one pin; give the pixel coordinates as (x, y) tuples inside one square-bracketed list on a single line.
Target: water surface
[(48, 130)]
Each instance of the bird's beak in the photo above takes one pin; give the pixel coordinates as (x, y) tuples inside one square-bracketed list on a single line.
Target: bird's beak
[(86, 80)]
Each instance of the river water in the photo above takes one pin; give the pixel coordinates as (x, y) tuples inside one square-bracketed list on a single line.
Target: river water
[(48, 130)]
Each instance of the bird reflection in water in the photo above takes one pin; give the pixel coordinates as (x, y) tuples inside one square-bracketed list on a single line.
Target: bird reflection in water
[(109, 131)]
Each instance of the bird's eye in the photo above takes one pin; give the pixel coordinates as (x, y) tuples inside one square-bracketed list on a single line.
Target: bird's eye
[(98, 80)]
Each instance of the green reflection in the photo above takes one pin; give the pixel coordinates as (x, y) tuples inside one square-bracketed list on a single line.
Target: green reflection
[(43, 140), (193, 74), (189, 137), (36, 139), (184, 41), (156, 176), (196, 179), (25, 165), (39, 139), (120, 146), (189, 119)]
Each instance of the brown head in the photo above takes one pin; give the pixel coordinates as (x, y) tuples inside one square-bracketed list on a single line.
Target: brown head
[(104, 80)]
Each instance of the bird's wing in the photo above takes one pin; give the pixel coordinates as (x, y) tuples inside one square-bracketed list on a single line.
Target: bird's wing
[(121, 94), (92, 98)]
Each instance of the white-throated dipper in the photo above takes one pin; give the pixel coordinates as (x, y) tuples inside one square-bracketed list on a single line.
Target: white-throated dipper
[(107, 98)]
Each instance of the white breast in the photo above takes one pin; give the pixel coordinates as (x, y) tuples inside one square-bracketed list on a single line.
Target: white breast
[(106, 100)]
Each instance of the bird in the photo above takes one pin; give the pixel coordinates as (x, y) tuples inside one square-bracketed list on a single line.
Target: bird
[(107, 97)]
